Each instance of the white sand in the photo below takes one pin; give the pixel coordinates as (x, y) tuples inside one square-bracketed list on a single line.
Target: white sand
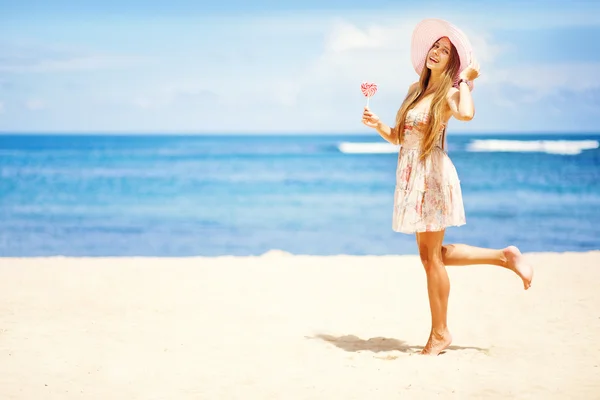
[(296, 327)]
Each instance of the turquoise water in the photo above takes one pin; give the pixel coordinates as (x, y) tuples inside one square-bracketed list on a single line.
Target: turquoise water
[(241, 195)]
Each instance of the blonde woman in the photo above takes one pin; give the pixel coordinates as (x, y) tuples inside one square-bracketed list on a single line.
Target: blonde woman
[(428, 196)]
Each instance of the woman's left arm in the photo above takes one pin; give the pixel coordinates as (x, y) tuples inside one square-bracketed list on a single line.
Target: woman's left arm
[(460, 100), (461, 103)]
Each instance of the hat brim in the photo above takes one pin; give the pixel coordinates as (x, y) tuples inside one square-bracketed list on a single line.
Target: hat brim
[(427, 32)]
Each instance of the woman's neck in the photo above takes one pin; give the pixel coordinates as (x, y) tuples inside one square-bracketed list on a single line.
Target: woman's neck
[(434, 81)]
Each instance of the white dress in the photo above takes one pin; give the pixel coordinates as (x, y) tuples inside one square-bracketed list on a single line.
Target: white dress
[(428, 196)]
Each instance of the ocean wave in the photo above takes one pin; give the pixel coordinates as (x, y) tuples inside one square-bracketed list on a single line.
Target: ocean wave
[(564, 147), (367, 148)]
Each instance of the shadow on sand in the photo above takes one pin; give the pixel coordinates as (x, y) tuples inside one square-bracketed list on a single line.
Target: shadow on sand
[(353, 343)]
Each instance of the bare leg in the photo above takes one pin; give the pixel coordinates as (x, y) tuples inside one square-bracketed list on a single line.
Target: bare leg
[(510, 258), (438, 288)]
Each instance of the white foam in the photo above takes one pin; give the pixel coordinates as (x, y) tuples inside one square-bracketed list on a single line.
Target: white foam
[(367, 148), (566, 147)]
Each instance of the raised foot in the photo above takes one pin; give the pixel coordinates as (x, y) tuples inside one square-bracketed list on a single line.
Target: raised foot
[(437, 343), (515, 262)]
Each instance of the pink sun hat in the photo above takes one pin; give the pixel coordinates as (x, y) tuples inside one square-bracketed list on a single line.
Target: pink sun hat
[(427, 32)]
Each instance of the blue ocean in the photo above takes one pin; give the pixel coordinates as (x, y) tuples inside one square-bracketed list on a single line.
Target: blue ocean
[(109, 195)]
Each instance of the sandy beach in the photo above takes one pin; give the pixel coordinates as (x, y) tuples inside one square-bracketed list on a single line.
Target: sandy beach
[(294, 327)]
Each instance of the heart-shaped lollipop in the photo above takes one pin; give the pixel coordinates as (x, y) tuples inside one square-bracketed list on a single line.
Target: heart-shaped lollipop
[(368, 89)]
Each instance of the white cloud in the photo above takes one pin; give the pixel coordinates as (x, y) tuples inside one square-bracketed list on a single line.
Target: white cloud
[(174, 94), (548, 78), (35, 104), (28, 57), (541, 82), (345, 36), (77, 63)]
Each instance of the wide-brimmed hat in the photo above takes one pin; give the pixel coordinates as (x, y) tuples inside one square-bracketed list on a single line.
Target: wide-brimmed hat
[(427, 32)]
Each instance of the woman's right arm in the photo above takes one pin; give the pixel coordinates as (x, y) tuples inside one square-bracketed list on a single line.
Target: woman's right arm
[(388, 133), (372, 121)]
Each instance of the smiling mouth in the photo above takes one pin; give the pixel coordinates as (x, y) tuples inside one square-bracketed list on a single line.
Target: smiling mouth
[(433, 60)]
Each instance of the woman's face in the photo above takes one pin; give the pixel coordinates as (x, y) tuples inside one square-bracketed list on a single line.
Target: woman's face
[(439, 55)]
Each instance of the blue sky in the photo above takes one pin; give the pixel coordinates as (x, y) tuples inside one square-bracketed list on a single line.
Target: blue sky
[(283, 67)]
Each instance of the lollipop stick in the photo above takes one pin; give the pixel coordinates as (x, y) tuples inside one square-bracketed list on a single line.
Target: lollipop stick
[(368, 97)]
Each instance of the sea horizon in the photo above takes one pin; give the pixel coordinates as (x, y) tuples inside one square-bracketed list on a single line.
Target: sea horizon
[(275, 133)]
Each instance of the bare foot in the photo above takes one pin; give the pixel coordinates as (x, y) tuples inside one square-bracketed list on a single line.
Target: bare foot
[(437, 343), (516, 263)]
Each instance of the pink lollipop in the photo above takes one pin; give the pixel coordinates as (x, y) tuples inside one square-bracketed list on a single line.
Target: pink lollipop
[(368, 89)]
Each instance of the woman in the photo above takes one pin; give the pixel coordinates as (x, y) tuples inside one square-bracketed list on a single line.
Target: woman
[(428, 196)]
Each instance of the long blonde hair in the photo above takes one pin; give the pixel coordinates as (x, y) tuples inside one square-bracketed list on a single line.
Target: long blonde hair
[(433, 129)]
